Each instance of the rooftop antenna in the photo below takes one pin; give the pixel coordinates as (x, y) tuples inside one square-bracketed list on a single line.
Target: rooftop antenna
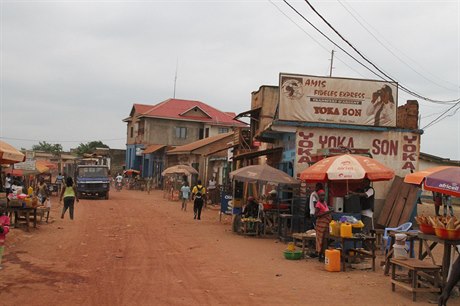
[(332, 63), (175, 78)]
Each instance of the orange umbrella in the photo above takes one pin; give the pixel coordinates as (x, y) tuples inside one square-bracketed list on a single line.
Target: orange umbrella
[(418, 177), (347, 167), (10, 155)]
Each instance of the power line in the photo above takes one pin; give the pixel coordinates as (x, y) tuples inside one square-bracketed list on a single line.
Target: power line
[(391, 51), (440, 117), (404, 88), (314, 39), (334, 43)]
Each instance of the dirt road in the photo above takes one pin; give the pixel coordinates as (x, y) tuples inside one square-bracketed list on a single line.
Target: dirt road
[(138, 249)]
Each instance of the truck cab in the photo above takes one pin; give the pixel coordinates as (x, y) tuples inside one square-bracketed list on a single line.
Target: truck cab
[(93, 181)]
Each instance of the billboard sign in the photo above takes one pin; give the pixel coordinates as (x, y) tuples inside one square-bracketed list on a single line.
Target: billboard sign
[(28, 165), (337, 100)]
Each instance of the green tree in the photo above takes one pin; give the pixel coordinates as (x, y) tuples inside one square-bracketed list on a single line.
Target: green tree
[(89, 147), (56, 148)]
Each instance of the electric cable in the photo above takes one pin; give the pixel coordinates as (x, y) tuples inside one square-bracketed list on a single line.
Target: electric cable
[(391, 51), (315, 40), (402, 87)]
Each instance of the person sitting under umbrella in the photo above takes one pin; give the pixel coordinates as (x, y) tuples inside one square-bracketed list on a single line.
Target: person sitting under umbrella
[(251, 210), (251, 213)]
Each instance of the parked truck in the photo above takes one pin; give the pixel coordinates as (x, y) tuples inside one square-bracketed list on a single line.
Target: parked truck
[(93, 181)]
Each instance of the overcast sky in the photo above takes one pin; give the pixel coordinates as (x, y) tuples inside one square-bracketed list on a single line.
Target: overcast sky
[(71, 70)]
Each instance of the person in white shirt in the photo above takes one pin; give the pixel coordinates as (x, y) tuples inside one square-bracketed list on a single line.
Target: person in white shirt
[(313, 199), (8, 183), (119, 178), (185, 191), (366, 195), (212, 190)]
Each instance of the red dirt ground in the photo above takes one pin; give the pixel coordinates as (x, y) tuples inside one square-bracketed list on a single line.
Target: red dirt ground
[(139, 249)]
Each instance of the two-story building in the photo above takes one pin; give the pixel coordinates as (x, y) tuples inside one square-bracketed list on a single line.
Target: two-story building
[(153, 129), (307, 117)]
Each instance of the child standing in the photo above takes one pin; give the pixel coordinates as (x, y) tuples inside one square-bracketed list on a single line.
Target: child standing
[(4, 229), (185, 190)]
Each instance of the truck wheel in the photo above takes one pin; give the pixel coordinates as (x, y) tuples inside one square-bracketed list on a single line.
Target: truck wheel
[(107, 195), (79, 195)]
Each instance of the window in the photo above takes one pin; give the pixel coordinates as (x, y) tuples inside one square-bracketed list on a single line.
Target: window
[(201, 133), (223, 130), (132, 132), (181, 132), (206, 132)]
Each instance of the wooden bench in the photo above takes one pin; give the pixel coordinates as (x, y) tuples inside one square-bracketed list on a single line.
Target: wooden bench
[(420, 277), (307, 242)]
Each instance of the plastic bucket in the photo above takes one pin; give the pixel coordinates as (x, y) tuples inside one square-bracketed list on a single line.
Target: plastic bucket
[(400, 239), (400, 252)]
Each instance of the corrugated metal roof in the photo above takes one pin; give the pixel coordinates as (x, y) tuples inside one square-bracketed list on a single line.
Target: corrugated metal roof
[(178, 109), (153, 148), (188, 148)]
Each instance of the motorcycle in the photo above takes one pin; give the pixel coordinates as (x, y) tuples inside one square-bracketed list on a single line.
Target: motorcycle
[(119, 186)]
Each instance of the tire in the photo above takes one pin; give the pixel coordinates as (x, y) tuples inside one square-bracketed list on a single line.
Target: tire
[(107, 195)]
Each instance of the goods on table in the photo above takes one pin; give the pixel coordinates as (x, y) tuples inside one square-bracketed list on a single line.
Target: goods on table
[(448, 222), (250, 219), (332, 260), (268, 206), (334, 228), (444, 227), (346, 230)]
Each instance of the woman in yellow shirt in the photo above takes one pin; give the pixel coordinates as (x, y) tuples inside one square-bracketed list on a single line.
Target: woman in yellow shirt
[(69, 193)]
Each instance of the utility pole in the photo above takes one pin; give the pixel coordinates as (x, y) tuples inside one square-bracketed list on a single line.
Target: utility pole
[(332, 63), (175, 79)]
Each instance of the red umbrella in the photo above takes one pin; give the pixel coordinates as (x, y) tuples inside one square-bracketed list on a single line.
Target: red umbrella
[(444, 179), (14, 172), (347, 167)]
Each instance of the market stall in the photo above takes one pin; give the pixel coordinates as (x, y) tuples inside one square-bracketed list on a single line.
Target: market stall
[(173, 179), (342, 174), (273, 190), (436, 231)]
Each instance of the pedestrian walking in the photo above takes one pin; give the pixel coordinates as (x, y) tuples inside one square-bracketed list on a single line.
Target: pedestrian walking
[(212, 184), (199, 194), (149, 185), (185, 194), (437, 200), (42, 191), (4, 229), (447, 201), (59, 181), (69, 193)]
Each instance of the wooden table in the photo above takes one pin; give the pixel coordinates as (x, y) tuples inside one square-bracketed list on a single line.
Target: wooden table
[(417, 268), (435, 240), (245, 227), (17, 211), (358, 253), (411, 238), (303, 239)]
